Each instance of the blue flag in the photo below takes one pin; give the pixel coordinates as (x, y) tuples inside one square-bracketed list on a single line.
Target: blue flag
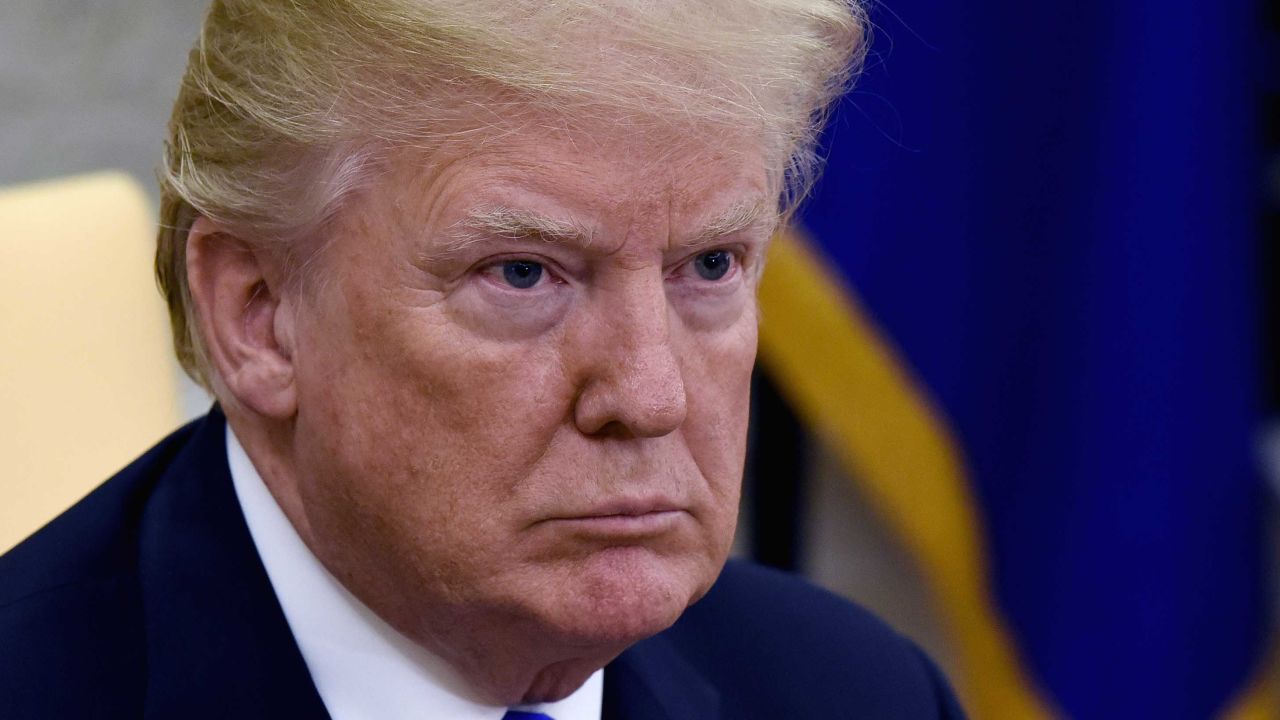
[(1024, 308)]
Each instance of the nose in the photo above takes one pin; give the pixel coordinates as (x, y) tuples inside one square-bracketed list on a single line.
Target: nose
[(634, 384)]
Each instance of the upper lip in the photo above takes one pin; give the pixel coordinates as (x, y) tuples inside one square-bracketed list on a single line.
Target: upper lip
[(625, 507)]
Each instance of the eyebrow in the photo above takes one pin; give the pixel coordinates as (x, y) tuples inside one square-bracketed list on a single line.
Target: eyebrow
[(516, 224), (510, 224), (739, 217)]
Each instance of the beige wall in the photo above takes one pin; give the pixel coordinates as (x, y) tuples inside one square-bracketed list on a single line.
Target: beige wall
[(86, 85)]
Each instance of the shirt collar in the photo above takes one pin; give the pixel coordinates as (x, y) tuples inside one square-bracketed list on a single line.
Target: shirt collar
[(361, 666)]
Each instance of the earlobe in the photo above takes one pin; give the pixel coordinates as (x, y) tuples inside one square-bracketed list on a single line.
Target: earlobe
[(244, 319)]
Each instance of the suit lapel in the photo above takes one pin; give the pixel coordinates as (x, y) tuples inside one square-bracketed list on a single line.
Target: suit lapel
[(653, 681), (217, 641)]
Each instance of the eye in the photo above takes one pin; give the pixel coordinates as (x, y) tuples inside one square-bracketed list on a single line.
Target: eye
[(521, 274), (713, 265)]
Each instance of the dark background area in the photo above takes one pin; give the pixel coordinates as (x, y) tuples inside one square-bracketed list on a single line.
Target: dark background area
[(780, 459), (1270, 240)]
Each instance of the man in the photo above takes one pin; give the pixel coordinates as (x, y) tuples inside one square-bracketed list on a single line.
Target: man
[(473, 285)]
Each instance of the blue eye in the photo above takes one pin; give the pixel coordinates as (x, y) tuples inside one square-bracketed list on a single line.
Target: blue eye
[(521, 274), (713, 265)]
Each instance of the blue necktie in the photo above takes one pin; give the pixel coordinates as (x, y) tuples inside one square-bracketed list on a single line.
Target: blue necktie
[(522, 715)]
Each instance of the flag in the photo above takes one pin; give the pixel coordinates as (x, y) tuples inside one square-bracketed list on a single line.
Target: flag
[(1022, 306)]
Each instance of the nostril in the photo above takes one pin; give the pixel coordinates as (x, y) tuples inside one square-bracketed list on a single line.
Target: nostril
[(615, 429)]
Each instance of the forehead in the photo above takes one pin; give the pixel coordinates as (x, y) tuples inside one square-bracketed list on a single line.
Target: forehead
[(595, 175)]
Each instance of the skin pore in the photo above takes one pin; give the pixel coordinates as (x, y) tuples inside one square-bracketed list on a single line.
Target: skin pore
[(510, 412)]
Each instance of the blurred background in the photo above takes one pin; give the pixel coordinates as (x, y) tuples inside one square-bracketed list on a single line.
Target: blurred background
[(1018, 388)]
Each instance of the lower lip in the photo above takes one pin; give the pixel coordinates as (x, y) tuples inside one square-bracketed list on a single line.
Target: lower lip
[(652, 523)]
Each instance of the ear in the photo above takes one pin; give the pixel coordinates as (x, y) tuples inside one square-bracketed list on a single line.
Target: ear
[(246, 324)]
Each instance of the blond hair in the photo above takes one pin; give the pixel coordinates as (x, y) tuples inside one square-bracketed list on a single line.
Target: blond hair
[(287, 107)]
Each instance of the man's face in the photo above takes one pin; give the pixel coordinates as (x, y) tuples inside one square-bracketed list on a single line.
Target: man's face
[(523, 378)]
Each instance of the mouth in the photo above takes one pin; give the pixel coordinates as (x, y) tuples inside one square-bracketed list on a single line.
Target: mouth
[(623, 518)]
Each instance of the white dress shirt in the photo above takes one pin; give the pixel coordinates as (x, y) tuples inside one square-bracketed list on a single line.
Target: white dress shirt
[(363, 668)]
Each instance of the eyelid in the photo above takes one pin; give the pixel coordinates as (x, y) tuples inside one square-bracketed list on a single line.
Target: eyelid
[(492, 260), (736, 250), (552, 273)]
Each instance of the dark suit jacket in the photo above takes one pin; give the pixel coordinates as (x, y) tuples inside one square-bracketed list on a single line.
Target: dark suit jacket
[(147, 599)]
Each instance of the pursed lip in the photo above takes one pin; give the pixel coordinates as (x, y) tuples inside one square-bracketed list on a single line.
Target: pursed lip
[(625, 516)]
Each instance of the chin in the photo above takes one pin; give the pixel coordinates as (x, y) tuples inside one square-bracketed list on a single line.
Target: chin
[(619, 596)]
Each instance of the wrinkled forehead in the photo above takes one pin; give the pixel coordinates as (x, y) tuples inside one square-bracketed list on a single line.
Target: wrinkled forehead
[(573, 176)]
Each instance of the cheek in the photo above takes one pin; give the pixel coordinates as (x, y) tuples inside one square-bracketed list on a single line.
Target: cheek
[(410, 369), (718, 388), (417, 432)]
